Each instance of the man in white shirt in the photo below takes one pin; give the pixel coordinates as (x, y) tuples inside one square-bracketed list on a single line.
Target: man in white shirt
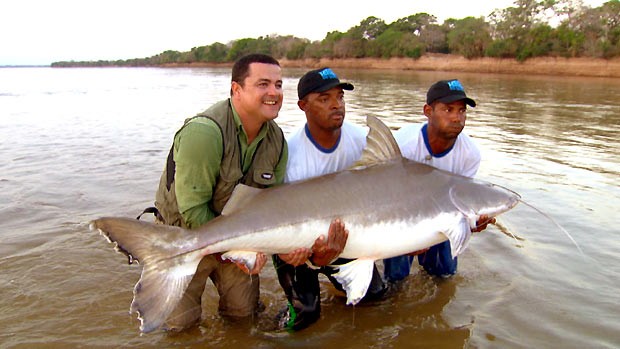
[(440, 143), (324, 145)]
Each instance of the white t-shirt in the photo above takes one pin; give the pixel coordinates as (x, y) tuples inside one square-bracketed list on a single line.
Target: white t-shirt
[(463, 158), (307, 159)]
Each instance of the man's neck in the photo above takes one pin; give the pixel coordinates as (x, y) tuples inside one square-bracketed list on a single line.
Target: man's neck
[(325, 138), (251, 125), (437, 143)]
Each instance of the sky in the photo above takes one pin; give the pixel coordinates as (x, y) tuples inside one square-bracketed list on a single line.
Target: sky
[(39, 32)]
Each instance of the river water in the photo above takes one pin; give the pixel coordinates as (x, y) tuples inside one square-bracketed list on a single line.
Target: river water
[(77, 144)]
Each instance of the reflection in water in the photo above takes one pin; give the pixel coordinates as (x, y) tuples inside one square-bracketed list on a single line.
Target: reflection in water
[(84, 143)]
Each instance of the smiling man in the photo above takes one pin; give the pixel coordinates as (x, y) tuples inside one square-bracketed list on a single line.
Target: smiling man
[(234, 141)]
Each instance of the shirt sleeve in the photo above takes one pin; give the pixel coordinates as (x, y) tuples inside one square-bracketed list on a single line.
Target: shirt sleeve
[(198, 150), (471, 167), (471, 163)]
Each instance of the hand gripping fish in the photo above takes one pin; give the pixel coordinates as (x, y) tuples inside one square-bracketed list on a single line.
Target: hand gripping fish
[(390, 205)]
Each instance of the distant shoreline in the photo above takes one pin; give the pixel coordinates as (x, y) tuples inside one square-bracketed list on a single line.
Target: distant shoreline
[(585, 67)]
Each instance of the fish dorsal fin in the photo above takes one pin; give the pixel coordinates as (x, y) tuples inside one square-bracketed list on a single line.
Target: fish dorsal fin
[(380, 145), (239, 198)]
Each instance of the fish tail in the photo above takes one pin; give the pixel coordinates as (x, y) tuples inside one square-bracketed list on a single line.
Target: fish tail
[(168, 265)]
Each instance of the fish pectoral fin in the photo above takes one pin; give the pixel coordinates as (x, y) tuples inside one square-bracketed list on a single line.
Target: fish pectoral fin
[(161, 287), (248, 258), (355, 278), (459, 235)]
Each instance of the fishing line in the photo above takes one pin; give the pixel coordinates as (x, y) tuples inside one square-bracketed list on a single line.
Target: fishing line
[(554, 222), (546, 216)]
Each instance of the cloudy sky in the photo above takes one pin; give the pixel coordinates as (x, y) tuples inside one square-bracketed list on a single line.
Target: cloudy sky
[(39, 32)]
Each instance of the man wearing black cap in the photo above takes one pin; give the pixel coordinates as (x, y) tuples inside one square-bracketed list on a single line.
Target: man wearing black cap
[(440, 143), (324, 145)]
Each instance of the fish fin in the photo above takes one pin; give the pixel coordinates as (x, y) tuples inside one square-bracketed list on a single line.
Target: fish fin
[(355, 278), (456, 200), (239, 197), (140, 240), (380, 145), (248, 258), (459, 235), (168, 264), (161, 287)]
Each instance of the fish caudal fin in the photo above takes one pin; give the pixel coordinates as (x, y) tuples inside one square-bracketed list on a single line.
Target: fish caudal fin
[(169, 263), (355, 278), (161, 287)]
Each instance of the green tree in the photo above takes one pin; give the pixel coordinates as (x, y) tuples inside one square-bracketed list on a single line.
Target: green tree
[(395, 43), (540, 41), (609, 40), (469, 36), (511, 27), (246, 46), (216, 53), (297, 49), (371, 27), (415, 23), (568, 42)]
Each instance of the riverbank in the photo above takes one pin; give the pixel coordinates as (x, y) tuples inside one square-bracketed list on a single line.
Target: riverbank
[(592, 67)]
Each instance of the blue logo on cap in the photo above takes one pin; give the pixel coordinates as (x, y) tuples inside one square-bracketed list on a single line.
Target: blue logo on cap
[(328, 74), (455, 85)]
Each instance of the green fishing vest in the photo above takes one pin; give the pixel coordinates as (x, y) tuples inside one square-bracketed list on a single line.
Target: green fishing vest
[(261, 173)]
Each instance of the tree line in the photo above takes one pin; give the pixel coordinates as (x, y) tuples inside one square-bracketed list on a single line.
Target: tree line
[(529, 28)]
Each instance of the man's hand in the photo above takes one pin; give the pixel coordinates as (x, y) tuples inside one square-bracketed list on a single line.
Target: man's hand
[(261, 259), (324, 252), (482, 222), (297, 257)]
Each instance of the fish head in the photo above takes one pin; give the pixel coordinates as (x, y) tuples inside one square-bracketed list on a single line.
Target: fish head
[(476, 198)]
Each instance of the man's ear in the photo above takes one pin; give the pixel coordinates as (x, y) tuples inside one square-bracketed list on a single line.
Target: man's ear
[(302, 104), (235, 87), (428, 110)]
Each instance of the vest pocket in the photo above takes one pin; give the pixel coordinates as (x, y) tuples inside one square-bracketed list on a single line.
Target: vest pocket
[(264, 176)]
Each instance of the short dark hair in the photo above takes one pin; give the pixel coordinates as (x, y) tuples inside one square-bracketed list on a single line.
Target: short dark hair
[(241, 69)]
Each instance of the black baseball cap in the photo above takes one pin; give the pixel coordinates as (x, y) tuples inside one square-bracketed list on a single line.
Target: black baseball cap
[(448, 91), (320, 80)]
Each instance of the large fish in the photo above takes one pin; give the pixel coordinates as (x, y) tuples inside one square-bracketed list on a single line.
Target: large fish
[(390, 205)]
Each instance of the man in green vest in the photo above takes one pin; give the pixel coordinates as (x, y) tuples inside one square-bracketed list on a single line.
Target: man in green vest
[(234, 141)]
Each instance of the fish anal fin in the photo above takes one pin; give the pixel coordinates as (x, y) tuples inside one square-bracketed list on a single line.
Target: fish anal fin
[(239, 198), (355, 278), (380, 145), (248, 258)]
